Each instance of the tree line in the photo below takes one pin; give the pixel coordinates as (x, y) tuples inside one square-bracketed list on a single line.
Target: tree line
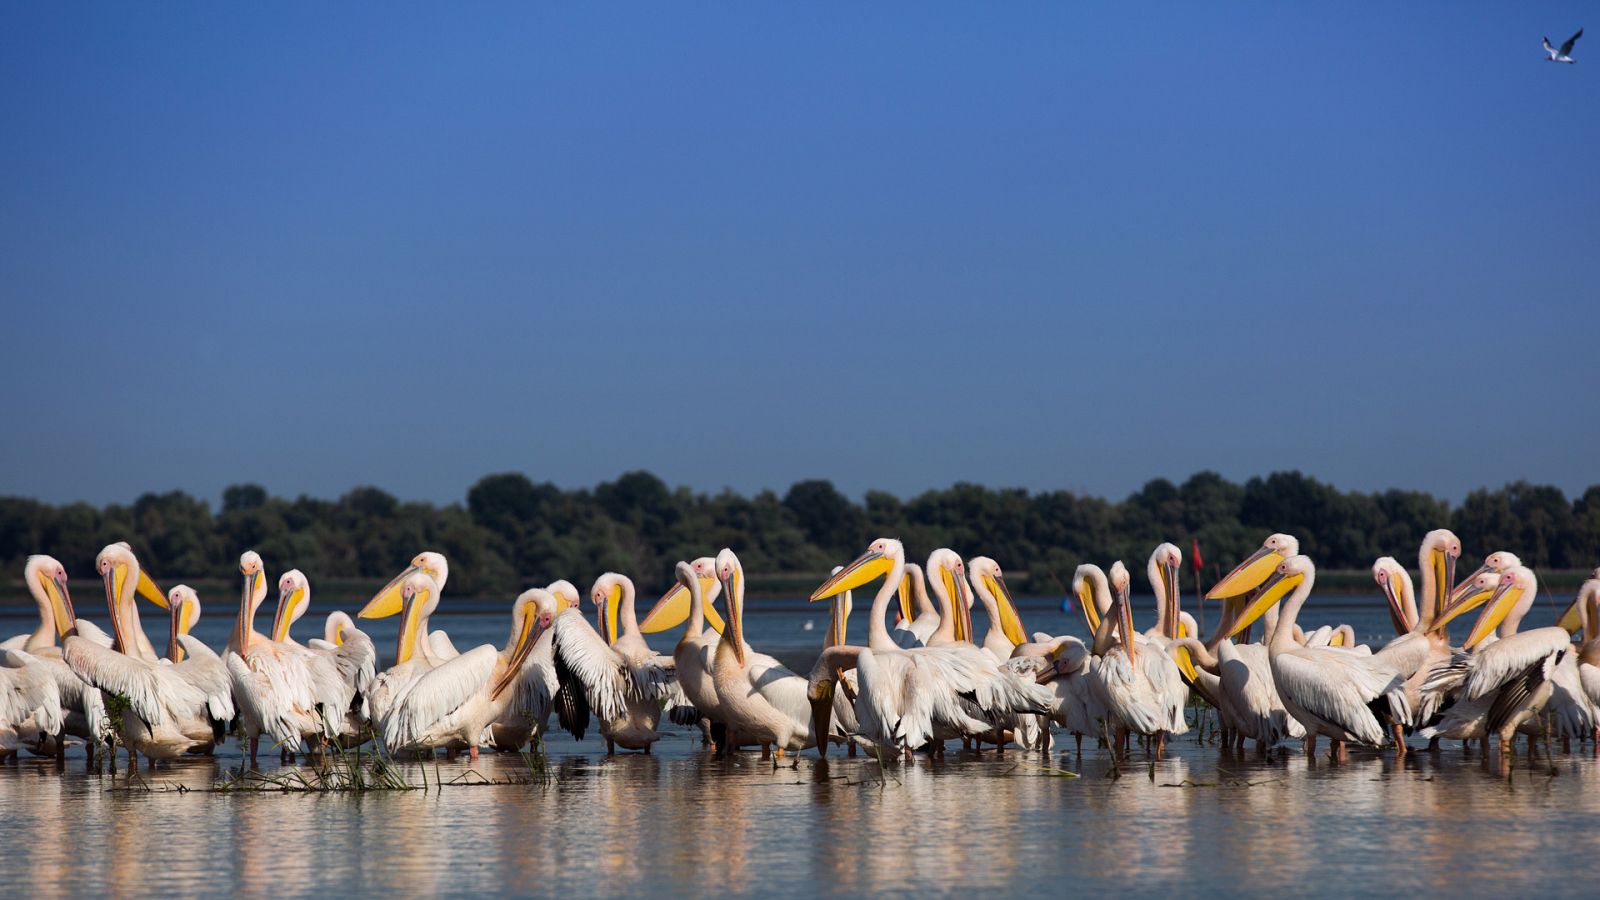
[(513, 531)]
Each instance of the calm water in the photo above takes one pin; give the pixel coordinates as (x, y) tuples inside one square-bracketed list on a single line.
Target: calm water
[(678, 822)]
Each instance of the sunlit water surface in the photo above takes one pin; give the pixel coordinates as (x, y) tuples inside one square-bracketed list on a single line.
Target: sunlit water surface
[(679, 822)]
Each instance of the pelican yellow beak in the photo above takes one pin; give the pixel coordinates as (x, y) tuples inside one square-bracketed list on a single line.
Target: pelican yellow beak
[(1444, 573), (1275, 588), (1336, 640), (1500, 605), (114, 578), (1091, 613), (1169, 595), (1248, 575), (1185, 661), (410, 624), (866, 567), (1010, 622), (387, 601), (527, 636), (1570, 619), (670, 611), (1397, 610), (613, 604), (150, 590), (286, 607), (1467, 596), (734, 591), (60, 604), (1124, 612), (905, 597)]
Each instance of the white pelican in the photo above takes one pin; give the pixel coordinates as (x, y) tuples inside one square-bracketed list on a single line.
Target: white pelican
[(947, 574), (1076, 707), (1569, 617), (83, 709), (535, 687), (1517, 675), (454, 704), (917, 613), (908, 697), (1346, 696), (342, 670), (273, 683), (1140, 686), (760, 699), (171, 707), (692, 598), (622, 682), (419, 597), (1562, 54), (387, 602)]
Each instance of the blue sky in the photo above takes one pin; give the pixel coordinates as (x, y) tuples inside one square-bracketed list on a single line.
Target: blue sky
[(1046, 245)]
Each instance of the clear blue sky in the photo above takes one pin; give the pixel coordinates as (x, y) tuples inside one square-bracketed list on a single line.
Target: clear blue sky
[(1051, 245)]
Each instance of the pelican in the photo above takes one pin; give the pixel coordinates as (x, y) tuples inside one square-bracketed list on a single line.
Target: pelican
[(1346, 696), (908, 697), (535, 686), (387, 602), (1562, 54), (692, 598), (759, 698), (83, 709), (342, 670), (418, 594), (1588, 604), (171, 708), (918, 617), (622, 680), (455, 703), (1517, 675), (1142, 691), (1076, 707), (272, 682)]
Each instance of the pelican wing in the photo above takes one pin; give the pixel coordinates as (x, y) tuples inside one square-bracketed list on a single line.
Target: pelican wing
[(91, 632), (437, 693), (1494, 666), (205, 671), (27, 689), (887, 712), (260, 691), (584, 657), (440, 646), (15, 643), (1573, 714), (137, 681), (537, 685), (1339, 688), (79, 695), (785, 690)]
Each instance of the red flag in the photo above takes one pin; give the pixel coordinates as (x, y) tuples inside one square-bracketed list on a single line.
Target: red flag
[(1194, 554)]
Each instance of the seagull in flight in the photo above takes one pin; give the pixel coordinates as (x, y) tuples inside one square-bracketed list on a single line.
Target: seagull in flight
[(1565, 53)]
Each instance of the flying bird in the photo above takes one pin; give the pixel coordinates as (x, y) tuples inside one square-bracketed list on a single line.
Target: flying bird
[(1563, 55)]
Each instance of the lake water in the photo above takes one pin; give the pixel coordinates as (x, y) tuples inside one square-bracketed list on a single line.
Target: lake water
[(678, 822)]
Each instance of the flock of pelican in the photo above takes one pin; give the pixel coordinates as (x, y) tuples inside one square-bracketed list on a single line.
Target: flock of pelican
[(911, 687)]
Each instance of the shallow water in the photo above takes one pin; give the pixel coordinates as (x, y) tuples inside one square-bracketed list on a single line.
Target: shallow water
[(678, 822)]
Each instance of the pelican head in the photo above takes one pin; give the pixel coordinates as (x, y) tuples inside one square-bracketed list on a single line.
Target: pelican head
[(1089, 585), (608, 593), (1249, 575), (119, 569), (981, 570), (419, 597), (337, 626), (1395, 583), (1469, 591), (387, 601), (674, 606), (947, 576), (532, 613), (1514, 593), (185, 606), (1284, 578), (566, 594), (1165, 563), (294, 598), (879, 560), (47, 581), (731, 575)]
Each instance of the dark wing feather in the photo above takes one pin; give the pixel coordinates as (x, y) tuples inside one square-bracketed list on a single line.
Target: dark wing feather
[(571, 703), (1514, 694), (1566, 49)]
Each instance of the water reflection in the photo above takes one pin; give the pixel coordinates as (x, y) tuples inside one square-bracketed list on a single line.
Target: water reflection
[(680, 821)]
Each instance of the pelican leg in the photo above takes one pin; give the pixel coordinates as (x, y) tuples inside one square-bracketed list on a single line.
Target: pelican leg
[(1161, 745), (1399, 739), (1079, 738), (1311, 745), (611, 747), (472, 752), (255, 742), (850, 748)]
